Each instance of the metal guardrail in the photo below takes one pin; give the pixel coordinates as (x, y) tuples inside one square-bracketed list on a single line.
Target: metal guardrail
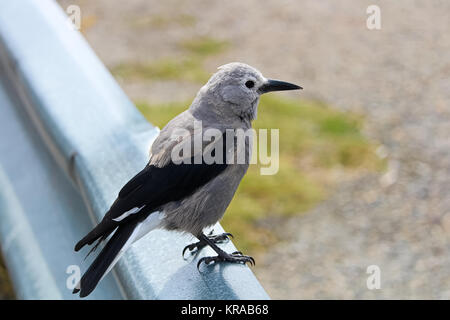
[(69, 139)]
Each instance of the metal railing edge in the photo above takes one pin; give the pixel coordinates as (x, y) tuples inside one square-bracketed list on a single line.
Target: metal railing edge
[(77, 163)]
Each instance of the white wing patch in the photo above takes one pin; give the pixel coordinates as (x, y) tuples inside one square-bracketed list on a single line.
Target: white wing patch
[(153, 221), (129, 212)]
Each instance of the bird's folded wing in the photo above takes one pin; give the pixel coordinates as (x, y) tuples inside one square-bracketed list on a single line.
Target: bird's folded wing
[(155, 186)]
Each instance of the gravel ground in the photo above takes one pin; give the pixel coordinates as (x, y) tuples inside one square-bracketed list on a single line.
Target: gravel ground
[(397, 77)]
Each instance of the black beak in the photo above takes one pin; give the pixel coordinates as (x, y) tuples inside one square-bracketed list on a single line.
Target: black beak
[(276, 85)]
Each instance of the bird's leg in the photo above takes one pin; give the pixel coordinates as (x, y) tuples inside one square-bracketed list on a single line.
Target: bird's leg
[(218, 238), (222, 256)]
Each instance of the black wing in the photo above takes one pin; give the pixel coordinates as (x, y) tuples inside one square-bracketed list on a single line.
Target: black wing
[(150, 189), (155, 186)]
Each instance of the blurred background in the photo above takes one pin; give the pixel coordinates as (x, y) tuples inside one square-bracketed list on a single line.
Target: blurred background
[(364, 148)]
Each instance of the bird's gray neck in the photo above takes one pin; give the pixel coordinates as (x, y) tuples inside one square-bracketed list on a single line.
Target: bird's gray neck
[(219, 114)]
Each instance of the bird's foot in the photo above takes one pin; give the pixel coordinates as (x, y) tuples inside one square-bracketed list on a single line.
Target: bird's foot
[(235, 257), (197, 246)]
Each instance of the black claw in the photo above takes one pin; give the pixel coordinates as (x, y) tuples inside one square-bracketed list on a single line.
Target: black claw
[(191, 247), (207, 261), (220, 238), (235, 257), (212, 240)]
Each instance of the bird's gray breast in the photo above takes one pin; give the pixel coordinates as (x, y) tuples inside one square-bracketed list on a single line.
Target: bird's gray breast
[(207, 204)]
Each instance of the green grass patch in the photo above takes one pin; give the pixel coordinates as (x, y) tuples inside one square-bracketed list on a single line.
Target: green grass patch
[(189, 68), (161, 21), (6, 290), (327, 138), (160, 114), (314, 130), (204, 46)]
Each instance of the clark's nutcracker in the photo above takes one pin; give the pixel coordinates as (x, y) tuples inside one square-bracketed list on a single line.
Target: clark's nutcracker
[(188, 195)]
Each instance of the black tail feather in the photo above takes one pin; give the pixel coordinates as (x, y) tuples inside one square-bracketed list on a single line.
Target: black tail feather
[(96, 270), (102, 230), (94, 248)]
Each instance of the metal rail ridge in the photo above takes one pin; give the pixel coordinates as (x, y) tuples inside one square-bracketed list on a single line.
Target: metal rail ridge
[(69, 139)]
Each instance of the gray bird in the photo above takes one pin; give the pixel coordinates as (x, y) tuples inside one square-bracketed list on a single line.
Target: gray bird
[(188, 195)]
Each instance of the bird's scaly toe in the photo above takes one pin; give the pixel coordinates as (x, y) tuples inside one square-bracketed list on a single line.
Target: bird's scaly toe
[(221, 238), (235, 257), (193, 246), (197, 246)]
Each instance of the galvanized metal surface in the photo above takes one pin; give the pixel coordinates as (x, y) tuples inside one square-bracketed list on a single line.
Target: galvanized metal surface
[(69, 139)]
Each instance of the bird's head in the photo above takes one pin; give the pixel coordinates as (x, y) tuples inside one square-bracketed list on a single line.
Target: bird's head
[(234, 91)]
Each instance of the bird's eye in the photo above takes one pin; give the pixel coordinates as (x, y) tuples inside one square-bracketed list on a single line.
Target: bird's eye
[(249, 84)]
